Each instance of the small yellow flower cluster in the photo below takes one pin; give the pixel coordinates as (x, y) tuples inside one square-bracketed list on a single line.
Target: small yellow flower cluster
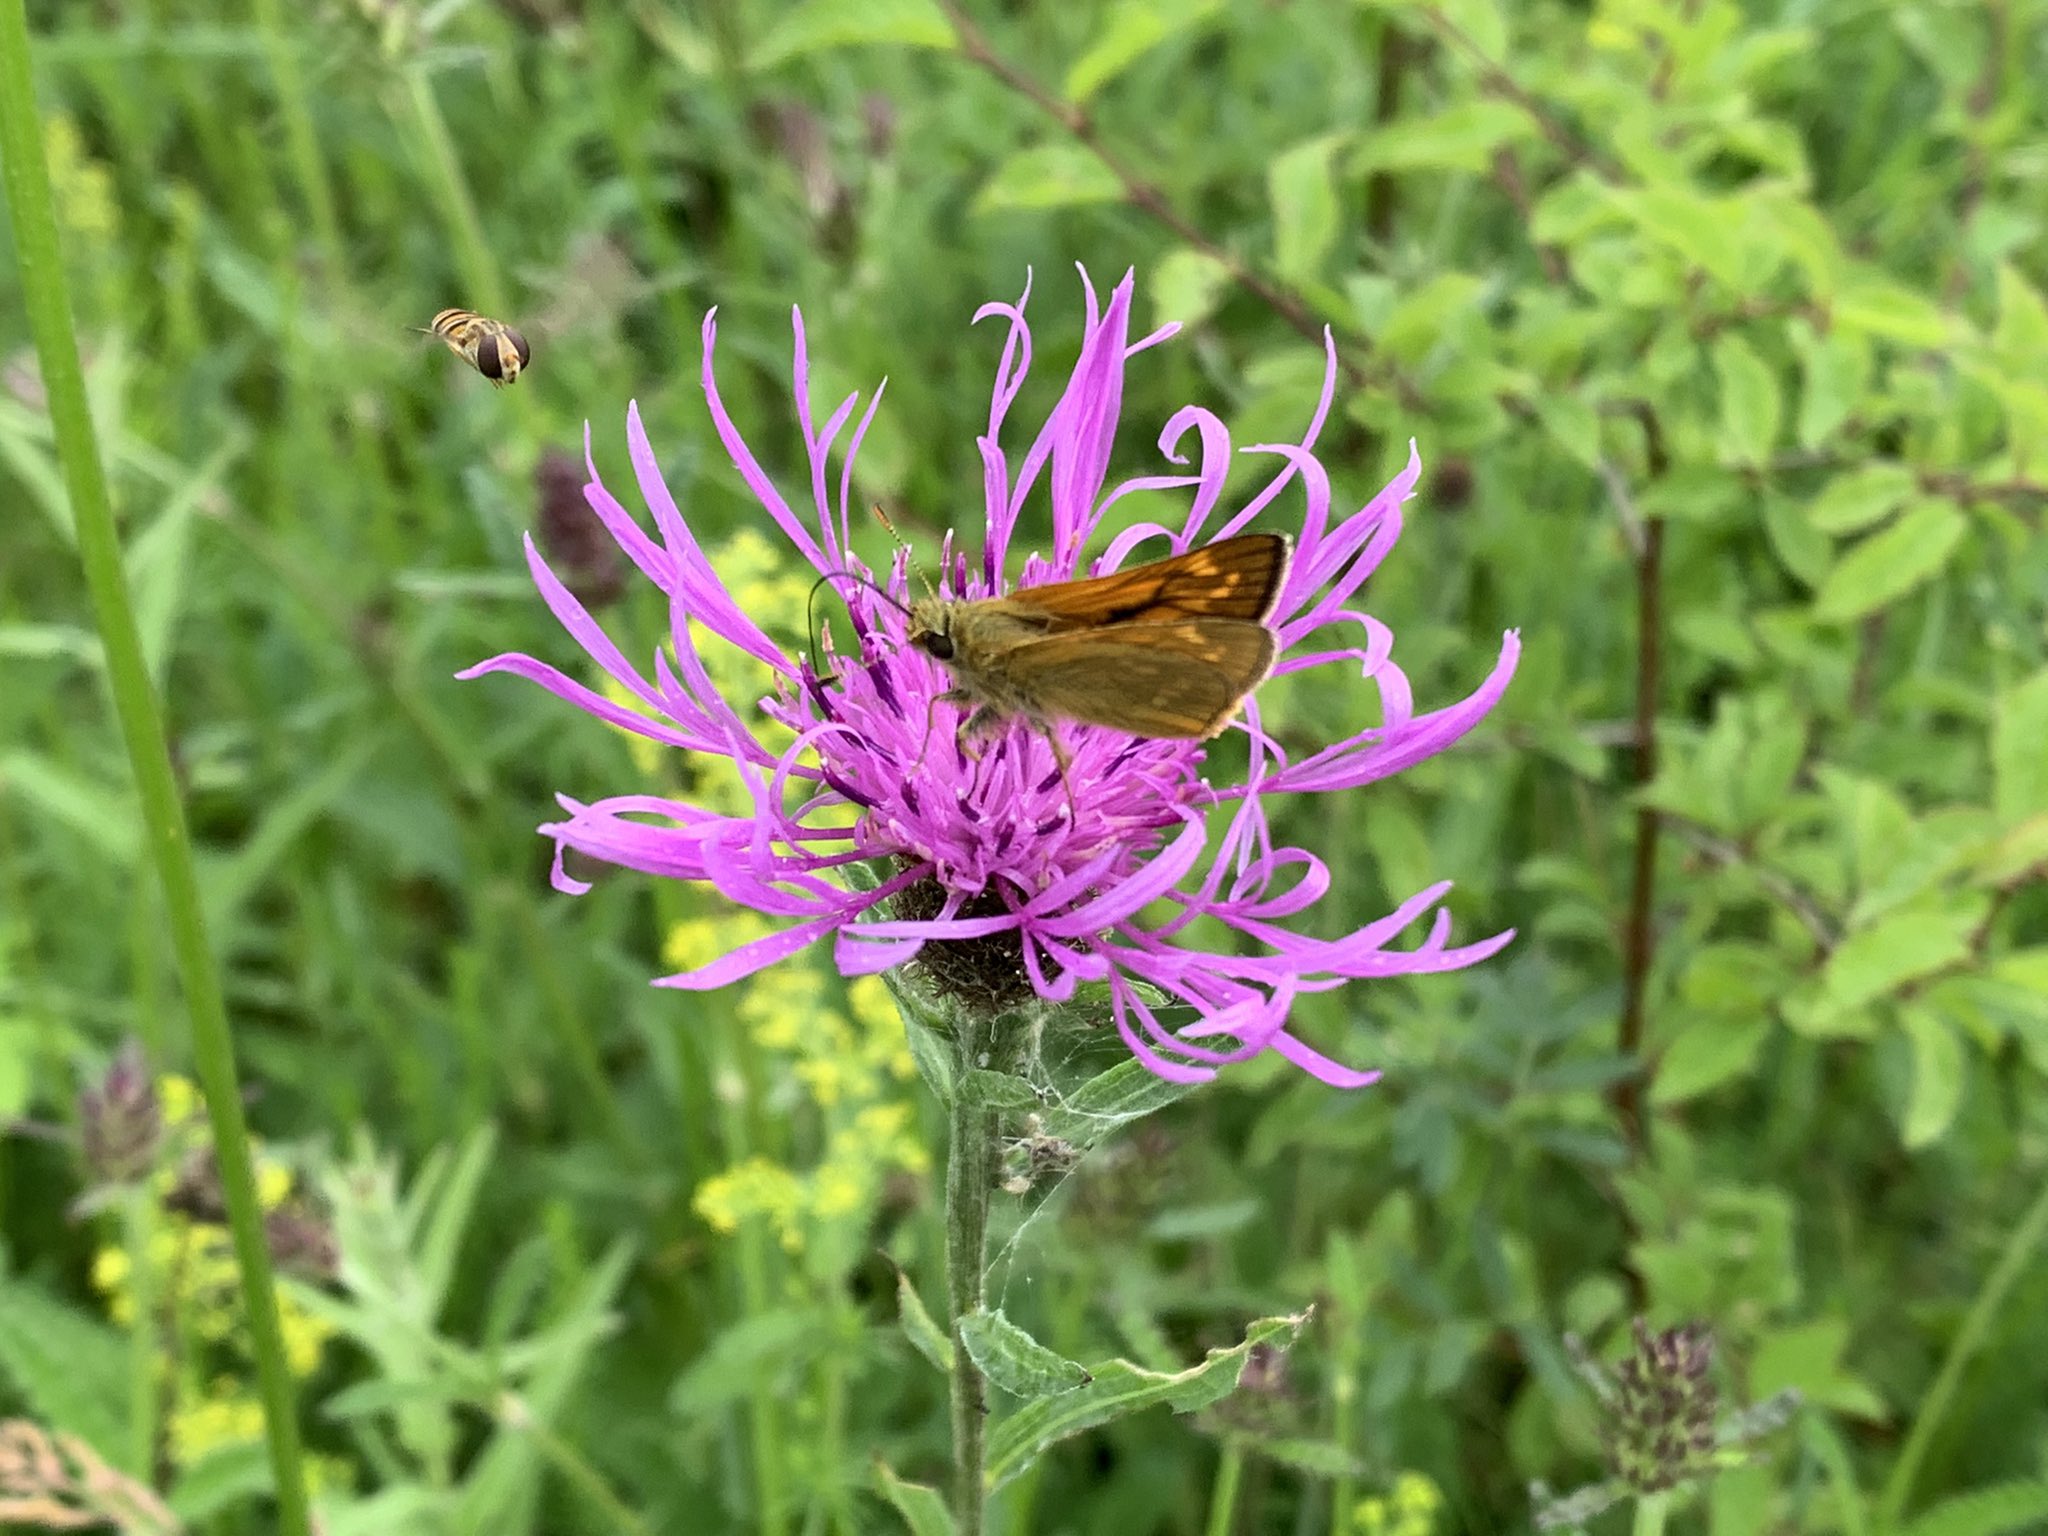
[(82, 187), (768, 590), (1409, 1509), (852, 1063), (194, 1279)]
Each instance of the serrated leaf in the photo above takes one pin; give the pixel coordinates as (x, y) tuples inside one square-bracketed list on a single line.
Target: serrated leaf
[(1130, 31), (1126, 1092), (925, 1335), (1854, 500), (997, 1090), (923, 1510), (1056, 175), (71, 1370), (2004, 1509), (1937, 1088), (1891, 562), (1120, 1389), (1305, 212), (1015, 1361), (1752, 405), (819, 24), (2019, 750)]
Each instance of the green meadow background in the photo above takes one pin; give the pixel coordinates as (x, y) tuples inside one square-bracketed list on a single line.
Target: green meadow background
[(1720, 329)]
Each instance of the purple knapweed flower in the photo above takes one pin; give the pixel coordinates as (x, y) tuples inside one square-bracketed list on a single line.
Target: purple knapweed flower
[(987, 856)]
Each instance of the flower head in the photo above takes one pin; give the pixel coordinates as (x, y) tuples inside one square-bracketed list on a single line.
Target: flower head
[(1003, 875)]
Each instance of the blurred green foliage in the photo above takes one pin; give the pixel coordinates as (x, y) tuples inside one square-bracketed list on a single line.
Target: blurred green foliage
[(1721, 331)]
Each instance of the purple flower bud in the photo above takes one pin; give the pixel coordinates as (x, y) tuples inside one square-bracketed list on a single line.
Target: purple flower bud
[(121, 1123)]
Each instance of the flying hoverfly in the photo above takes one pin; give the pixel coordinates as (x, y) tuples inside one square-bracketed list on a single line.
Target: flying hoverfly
[(493, 348)]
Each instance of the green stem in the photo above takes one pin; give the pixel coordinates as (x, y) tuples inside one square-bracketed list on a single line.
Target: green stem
[(1650, 1512), (971, 1158), (575, 1469), (1223, 1498), (2026, 1237), (139, 1212), (48, 301)]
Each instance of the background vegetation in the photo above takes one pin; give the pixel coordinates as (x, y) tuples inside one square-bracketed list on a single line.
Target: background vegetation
[(1721, 331)]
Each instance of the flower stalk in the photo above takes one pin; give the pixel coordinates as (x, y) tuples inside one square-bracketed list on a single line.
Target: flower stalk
[(973, 1152), (48, 303)]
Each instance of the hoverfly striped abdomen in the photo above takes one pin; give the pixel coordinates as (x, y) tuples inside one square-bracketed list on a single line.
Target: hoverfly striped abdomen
[(493, 348)]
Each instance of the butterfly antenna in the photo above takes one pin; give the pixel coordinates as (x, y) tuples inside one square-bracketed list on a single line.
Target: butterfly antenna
[(904, 544)]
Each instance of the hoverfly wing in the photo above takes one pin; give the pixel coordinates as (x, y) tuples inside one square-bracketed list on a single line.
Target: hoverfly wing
[(1237, 578), (1183, 678)]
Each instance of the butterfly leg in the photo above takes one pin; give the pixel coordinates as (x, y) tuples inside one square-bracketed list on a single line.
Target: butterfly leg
[(984, 722), (1064, 760), (931, 715)]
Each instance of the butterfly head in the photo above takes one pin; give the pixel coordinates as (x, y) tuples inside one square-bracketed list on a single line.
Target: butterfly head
[(931, 628)]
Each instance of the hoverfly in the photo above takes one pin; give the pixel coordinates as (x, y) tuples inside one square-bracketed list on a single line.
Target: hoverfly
[(491, 347)]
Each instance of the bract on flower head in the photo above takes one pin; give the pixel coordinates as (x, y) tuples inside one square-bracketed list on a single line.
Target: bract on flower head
[(1061, 883)]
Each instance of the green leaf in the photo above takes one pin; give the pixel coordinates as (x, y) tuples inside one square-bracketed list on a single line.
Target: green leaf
[(1119, 1389), (1708, 1052), (1130, 31), (923, 1510), (1305, 211), (1937, 1090), (2021, 336), (70, 1369), (1803, 549), (1483, 23), (2003, 1509), (1056, 175), (927, 1030), (1015, 1361), (2019, 750), (1126, 1092), (1834, 373), (818, 24), (1464, 137), (741, 1357), (1572, 423), (1891, 562), (1870, 302), (1752, 405), (1857, 498), (925, 1335), (1904, 946), (1186, 285), (997, 1090), (107, 818), (1704, 231), (1807, 1358), (220, 1479)]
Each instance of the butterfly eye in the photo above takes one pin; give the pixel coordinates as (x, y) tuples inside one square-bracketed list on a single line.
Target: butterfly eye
[(937, 644)]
